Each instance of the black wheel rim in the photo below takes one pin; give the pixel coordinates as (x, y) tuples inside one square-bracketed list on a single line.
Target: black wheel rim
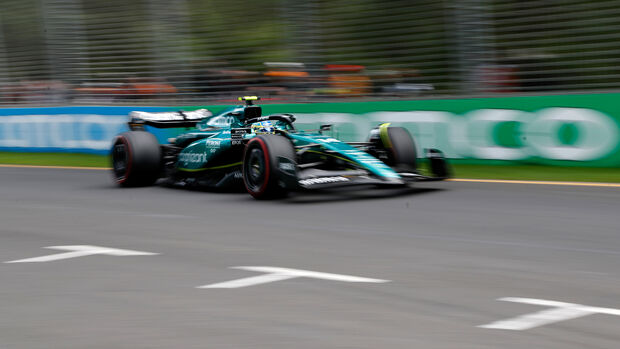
[(120, 160), (254, 170)]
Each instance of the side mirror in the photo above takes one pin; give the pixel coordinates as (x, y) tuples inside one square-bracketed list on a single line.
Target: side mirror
[(325, 128)]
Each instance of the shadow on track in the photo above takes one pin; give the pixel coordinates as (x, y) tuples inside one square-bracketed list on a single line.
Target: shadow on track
[(346, 194), (317, 196)]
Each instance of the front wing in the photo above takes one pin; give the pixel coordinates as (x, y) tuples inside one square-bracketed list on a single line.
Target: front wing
[(320, 179)]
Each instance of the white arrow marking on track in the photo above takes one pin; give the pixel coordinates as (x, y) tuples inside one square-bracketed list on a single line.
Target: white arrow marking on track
[(278, 274), (562, 312), (81, 251)]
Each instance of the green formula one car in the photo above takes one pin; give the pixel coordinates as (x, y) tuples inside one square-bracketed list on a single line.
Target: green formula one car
[(266, 154)]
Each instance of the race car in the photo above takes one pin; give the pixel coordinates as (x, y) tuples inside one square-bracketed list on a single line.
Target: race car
[(267, 155)]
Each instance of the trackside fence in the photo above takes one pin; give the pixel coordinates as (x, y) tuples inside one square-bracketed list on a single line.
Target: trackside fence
[(185, 52)]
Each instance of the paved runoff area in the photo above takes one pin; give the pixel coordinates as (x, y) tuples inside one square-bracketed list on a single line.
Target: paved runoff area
[(441, 265)]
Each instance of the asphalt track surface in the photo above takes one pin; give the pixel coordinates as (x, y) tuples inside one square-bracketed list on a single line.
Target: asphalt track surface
[(450, 251)]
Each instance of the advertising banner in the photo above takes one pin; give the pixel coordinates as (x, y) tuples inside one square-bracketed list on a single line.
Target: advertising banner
[(573, 130), (576, 130), (64, 129)]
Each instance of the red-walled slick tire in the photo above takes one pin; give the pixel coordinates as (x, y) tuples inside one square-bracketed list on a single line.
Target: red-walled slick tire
[(136, 159), (261, 174)]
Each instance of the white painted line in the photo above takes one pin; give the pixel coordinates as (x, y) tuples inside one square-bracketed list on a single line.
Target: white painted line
[(540, 318), (251, 281), (541, 302), (278, 274), (311, 274), (81, 251), (562, 312)]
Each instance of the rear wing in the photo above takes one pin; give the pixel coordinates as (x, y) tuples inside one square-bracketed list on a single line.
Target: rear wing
[(138, 119)]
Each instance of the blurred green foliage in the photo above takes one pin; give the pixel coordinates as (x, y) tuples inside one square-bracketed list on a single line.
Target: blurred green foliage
[(556, 44)]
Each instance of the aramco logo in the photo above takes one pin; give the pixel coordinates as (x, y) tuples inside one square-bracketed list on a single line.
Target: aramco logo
[(493, 134)]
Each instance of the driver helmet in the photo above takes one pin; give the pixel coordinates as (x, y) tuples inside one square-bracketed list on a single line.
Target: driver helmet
[(263, 127)]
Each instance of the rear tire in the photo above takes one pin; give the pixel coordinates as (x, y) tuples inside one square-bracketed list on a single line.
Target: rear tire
[(261, 175), (136, 159)]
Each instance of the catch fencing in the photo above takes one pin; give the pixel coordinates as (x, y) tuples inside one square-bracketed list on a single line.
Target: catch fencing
[(180, 52)]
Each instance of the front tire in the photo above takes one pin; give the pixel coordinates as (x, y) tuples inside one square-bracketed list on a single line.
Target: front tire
[(136, 159), (399, 147), (262, 177)]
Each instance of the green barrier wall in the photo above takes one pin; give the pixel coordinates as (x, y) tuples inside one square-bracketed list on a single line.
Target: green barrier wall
[(575, 130)]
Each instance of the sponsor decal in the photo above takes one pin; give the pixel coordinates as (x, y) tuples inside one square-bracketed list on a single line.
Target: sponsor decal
[(213, 143), (287, 166), (221, 121), (323, 180), (171, 116), (364, 158), (236, 135), (193, 158)]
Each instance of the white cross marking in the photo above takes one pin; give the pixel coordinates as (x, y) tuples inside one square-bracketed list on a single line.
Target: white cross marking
[(562, 311), (81, 251), (278, 274)]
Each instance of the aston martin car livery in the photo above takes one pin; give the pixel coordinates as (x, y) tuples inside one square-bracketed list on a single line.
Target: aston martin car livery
[(265, 154)]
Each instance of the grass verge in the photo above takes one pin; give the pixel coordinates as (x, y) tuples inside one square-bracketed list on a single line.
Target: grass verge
[(537, 173), (517, 172), (54, 159)]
